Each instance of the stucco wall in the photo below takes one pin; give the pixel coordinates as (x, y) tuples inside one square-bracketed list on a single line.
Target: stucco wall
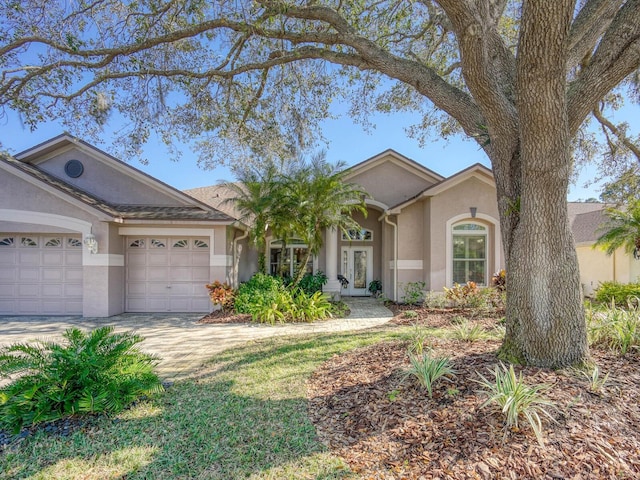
[(596, 267), (456, 202), (105, 181), (390, 183)]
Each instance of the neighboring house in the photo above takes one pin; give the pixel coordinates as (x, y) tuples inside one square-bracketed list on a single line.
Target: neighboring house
[(82, 233), (587, 221)]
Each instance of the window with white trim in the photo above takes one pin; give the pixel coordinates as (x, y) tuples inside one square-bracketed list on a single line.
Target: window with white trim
[(362, 235), (287, 263), (470, 241)]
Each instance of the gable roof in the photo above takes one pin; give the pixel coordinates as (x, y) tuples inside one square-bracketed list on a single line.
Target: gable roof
[(217, 196), (476, 170), (398, 159), (194, 210), (42, 151)]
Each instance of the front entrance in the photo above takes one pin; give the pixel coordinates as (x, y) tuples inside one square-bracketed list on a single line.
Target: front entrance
[(357, 267)]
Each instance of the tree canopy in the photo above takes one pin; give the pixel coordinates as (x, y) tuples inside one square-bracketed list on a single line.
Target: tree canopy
[(252, 79)]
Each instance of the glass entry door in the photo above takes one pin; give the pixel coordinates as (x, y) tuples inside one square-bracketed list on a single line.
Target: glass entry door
[(357, 267)]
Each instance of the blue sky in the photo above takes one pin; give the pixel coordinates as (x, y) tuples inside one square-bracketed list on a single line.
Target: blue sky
[(347, 141)]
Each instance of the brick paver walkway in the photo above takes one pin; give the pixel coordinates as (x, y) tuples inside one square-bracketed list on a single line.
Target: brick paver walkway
[(182, 344)]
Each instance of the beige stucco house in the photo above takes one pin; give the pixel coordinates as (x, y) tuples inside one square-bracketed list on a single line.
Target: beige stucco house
[(587, 221), (82, 233)]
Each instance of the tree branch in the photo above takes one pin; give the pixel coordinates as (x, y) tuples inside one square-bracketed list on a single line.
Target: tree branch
[(626, 141)]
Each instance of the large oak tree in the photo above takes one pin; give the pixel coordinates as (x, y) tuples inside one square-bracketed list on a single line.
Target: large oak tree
[(252, 78)]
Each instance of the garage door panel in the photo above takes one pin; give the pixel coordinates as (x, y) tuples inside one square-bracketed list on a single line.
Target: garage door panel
[(136, 289), (55, 291), (8, 274), (73, 259), (158, 289), (73, 275), (200, 258), (72, 291), (8, 256), (53, 258), (29, 274), (180, 274), (7, 290), (201, 274), (157, 259), (29, 258), (52, 274), (157, 273)]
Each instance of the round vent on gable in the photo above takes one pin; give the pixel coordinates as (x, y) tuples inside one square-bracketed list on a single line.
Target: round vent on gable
[(73, 168)]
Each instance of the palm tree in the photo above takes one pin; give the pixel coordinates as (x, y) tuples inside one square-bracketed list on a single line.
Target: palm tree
[(622, 230), (254, 196), (323, 201)]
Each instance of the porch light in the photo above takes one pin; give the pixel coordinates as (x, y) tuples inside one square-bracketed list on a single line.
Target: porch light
[(473, 211), (91, 243)]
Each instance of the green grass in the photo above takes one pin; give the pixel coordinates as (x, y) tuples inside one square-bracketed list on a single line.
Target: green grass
[(243, 416)]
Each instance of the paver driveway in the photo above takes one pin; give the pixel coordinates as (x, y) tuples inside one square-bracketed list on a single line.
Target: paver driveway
[(182, 344)]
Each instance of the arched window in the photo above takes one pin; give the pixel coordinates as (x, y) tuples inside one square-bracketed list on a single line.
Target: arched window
[(469, 253)]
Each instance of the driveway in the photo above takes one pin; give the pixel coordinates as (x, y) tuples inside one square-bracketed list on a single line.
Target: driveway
[(182, 344)]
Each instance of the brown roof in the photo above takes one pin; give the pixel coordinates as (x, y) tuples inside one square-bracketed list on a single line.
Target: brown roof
[(151, 212), (586, 220), (217, 196)]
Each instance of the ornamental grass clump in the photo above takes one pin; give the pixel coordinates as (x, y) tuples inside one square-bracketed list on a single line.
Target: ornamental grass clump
[(516, 399), (429, 370), (614, 327), (94, 372)]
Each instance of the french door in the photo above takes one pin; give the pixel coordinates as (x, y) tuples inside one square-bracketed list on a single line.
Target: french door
[(357, 267)]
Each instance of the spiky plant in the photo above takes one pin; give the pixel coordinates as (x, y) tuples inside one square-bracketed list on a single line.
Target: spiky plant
[(98, 371)]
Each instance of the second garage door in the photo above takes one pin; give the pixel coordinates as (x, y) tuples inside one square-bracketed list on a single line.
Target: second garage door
[(167, 274), (40, 274)]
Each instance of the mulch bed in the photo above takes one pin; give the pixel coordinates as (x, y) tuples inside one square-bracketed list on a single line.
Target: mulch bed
[(386, 427), (219, 316)]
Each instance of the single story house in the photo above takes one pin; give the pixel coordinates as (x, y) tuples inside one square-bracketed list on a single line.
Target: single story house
[(83, 233)]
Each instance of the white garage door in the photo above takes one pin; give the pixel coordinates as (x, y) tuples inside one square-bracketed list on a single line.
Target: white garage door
[(40, 274), (167, 274)]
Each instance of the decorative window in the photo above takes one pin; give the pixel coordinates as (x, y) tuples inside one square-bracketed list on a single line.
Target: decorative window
[(200, 244), (363, 235), (73, 242), (288, 263), (155, 243), (137, 243), (53, 242), (470, 253), (28, 242), (6, 242), (180, 244)]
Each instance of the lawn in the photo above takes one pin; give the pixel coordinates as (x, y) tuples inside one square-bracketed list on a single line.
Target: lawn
[(340, 406)]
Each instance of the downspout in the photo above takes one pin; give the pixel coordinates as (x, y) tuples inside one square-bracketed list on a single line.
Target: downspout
[(236, 258), (395, 254)]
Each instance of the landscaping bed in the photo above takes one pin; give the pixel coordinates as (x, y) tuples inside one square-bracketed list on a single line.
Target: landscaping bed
[(385, 426)]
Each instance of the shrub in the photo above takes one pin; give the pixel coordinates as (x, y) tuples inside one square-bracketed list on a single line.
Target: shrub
[(312, 283), (414, 292), (516, 399), (99, 371), (622, 294), (460, 294), (260, 289), (222, 294), (428, 370), (375, 288), (434, 300)]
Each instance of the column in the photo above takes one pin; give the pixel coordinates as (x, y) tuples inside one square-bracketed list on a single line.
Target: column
[(333, 286)]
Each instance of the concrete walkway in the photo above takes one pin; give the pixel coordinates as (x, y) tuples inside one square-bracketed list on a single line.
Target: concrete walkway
[(182, 344)]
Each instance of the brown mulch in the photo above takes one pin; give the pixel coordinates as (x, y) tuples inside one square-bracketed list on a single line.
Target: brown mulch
[(386, 427), (219, 316)]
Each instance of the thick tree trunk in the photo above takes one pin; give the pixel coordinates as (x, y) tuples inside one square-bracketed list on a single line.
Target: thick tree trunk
[(545, 317)]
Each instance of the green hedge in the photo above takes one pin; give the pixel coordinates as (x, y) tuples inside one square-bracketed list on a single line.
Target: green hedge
[(619, 293)]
